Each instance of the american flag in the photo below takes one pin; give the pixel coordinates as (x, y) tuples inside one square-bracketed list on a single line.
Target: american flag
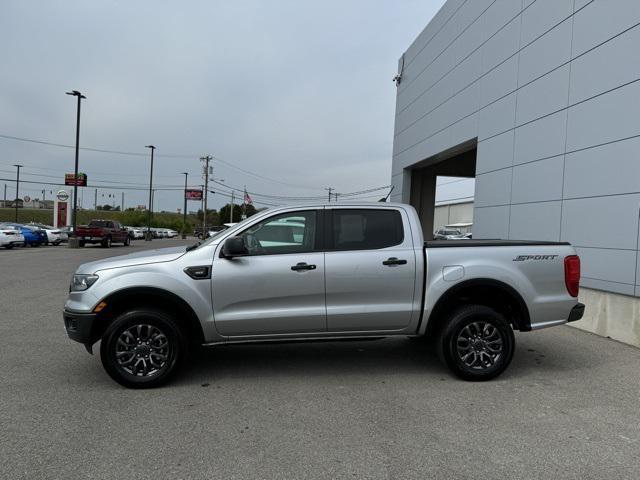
[(247, 198)]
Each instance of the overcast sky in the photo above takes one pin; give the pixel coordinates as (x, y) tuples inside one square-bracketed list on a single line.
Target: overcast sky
[(299, 92)]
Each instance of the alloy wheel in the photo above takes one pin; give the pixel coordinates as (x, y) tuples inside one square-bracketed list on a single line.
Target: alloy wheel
[(479, 345), (142, 350)]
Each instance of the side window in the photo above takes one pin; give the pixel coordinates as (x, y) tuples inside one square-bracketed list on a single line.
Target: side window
[(368, 229), (293, 232)]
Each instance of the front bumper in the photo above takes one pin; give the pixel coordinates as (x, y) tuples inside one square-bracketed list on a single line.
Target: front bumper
[(79, 326), (576, 313)]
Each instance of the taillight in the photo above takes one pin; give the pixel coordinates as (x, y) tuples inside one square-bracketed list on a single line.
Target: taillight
[(572, 274)]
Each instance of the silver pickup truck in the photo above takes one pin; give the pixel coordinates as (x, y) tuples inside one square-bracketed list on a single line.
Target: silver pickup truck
[(321, 272)]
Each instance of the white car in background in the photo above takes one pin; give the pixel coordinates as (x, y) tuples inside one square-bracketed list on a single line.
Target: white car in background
[(171, 233), (10, 237), (54, 235), (135, 233)]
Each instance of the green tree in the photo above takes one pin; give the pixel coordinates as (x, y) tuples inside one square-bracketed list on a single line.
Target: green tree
[(225, 212)]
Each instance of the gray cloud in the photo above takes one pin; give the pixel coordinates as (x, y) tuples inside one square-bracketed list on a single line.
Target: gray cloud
[(296, 91)]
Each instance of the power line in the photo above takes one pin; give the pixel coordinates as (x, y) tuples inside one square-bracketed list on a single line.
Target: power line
[(140, 154)]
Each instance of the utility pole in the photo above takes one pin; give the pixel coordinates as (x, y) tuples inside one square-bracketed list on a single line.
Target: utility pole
[(17, 188), (232, 200), (148, 236), (5, 196), (336, 195), (330, 189), (95, 200), (206, 159), (122, 203), (79, 96), (184, 214)]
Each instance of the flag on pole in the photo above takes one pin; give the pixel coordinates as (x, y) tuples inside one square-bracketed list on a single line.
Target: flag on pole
[(247, 198)]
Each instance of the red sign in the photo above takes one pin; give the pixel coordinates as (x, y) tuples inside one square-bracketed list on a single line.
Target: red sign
[(193, 194), (80, 180)]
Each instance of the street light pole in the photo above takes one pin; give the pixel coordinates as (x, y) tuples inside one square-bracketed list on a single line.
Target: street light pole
[(79, 96), (206, 159), (184, 213), (17, 188), (148, 237)]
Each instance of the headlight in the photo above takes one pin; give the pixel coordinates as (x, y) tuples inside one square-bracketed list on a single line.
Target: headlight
[(80, 283)]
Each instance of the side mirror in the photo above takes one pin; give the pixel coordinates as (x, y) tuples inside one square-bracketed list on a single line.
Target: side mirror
[(234, 247)]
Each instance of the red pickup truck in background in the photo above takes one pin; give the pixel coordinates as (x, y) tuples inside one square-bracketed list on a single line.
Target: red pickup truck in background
[(104, 232)]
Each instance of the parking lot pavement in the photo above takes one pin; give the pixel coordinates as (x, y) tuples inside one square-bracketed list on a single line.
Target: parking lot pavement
[(566, 408)]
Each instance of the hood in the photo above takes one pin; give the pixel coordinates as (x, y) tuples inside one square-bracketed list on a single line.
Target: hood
[(138, 258)]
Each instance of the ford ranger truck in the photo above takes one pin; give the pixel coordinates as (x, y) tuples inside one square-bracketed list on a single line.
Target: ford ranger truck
[(104, 232), (321, 272)]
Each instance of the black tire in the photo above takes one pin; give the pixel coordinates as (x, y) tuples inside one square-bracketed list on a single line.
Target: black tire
[(127, 241), (476, 343), (8, 247), (81, 243), (141, 371), (106, 243)]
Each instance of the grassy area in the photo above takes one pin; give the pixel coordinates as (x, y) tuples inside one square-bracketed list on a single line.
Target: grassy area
[(131, 218)]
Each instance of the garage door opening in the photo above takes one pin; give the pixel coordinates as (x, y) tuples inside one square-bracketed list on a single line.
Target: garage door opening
[(442, 189)]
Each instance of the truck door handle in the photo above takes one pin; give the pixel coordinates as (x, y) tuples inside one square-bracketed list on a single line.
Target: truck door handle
[(299, 267), (394, 261)]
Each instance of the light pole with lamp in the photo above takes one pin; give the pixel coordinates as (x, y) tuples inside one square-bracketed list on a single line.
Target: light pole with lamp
[(184, 214), (148, 236), (17, 188), (73, 240)]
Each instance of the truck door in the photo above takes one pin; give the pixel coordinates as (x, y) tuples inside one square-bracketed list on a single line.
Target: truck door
[(370, 269), (278, 288)]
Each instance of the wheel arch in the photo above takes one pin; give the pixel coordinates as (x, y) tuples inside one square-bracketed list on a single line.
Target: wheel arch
[(481, 291), (150, 297)]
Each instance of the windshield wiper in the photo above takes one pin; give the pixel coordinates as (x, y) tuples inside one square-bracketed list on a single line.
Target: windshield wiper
[(194, 246)]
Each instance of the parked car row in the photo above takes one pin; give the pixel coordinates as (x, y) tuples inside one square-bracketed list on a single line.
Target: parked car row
[(103, 232), (136, 233), (32, 235)]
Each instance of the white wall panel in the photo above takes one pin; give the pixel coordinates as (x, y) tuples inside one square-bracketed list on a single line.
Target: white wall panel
[(601, 20), (606, 67), (491, 222), (606, 118), (606, 222), (541, 139), (502, 45), (497, 117), (537, 181), (607, 170), (493, 188), (547, 53), (542, 15), (535, 221), (546, 95), (495, 153)]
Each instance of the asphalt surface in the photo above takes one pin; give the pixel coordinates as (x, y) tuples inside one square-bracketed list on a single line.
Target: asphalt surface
[(568, 407)]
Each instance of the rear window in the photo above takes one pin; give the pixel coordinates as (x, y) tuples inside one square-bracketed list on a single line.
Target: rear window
[(101, 223), (366, 229)]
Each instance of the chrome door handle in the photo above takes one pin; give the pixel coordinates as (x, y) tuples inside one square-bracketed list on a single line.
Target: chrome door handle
[(394, 261), (302, 266)]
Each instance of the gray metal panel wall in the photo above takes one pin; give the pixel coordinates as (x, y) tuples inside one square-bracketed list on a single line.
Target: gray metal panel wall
[(551, 89)]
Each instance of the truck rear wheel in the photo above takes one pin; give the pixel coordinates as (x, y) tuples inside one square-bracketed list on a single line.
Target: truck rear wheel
[(106, 243), (142, 348), (476, 343)]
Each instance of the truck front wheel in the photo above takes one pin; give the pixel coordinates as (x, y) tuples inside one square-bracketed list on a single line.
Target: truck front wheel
[(142, 348), (476, 343)]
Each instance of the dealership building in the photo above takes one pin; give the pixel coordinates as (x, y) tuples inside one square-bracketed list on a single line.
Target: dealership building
[(539, 101)]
